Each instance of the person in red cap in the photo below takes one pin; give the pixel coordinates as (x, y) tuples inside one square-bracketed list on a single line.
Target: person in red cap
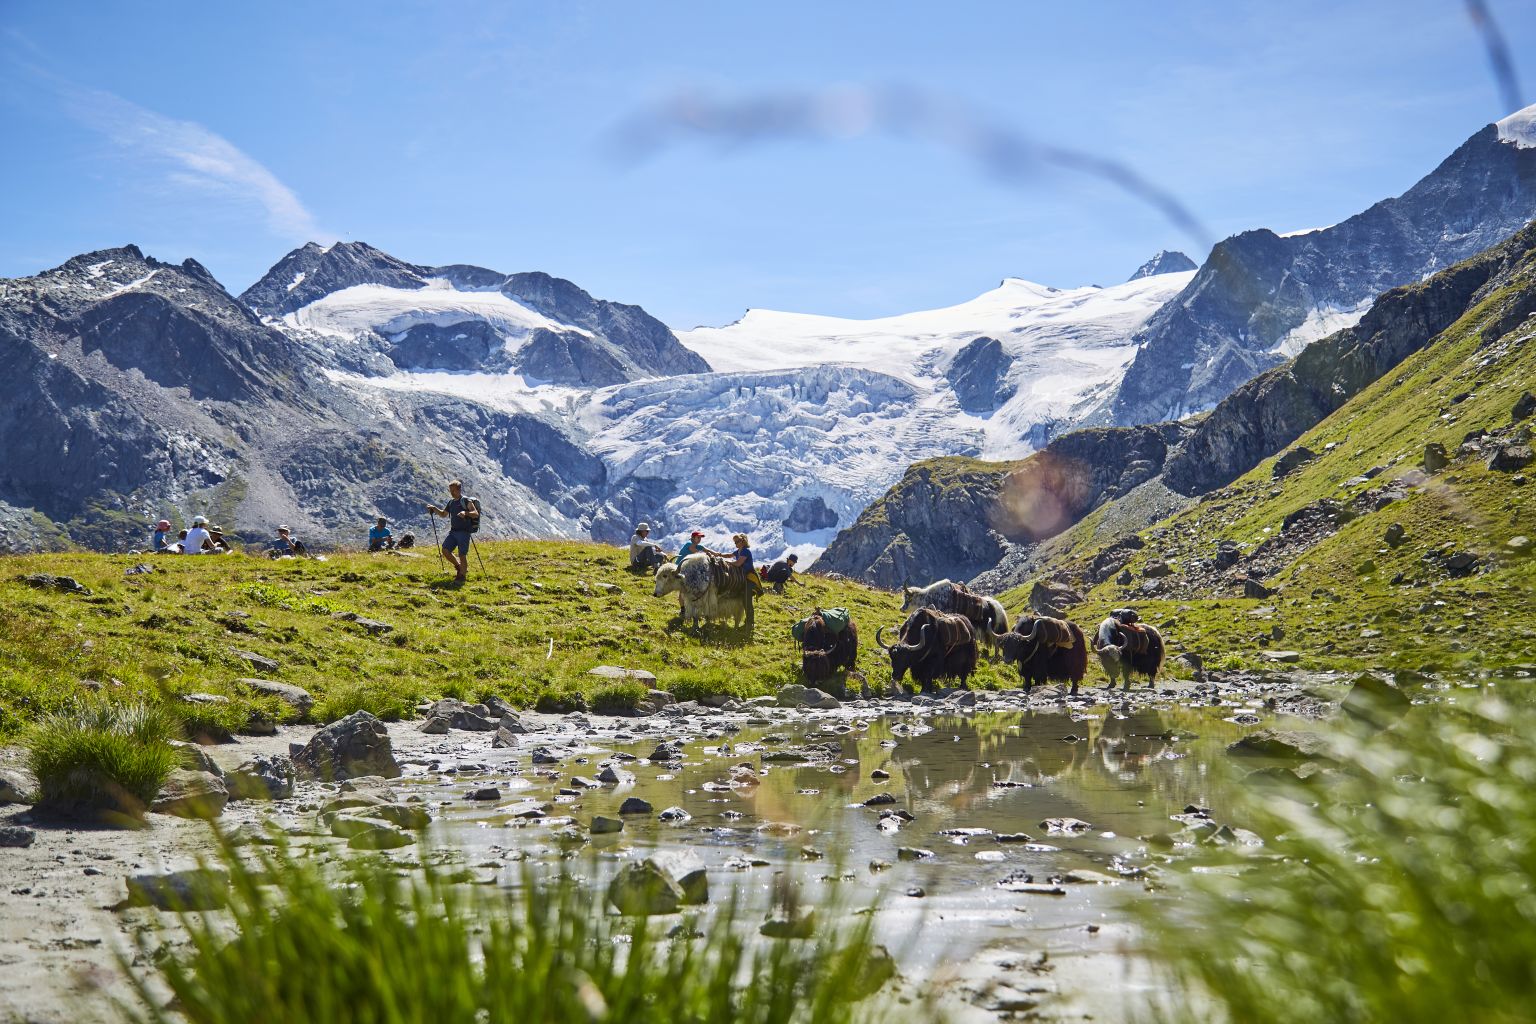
[(162, 542), (694, 546)]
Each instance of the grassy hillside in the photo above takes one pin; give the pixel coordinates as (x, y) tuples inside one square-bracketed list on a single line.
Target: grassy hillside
[(1345, 596), (173, 631)]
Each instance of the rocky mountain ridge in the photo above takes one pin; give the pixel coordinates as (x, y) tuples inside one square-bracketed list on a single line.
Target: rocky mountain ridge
[(1260, 297)]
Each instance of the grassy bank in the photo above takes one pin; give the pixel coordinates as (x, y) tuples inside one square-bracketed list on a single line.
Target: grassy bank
[(535, 622)]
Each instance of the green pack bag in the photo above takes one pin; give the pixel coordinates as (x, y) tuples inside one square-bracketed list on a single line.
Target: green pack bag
[(835, 618)]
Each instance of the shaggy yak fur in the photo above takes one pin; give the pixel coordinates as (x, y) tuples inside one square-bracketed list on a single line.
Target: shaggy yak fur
[(932, 645), (823, 652), (1046, 649), (987, 614), (1126, 649), (699, 586)]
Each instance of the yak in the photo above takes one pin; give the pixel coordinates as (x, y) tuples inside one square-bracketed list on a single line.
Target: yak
[(932, 645), (823, 652), (701, 583), (1046, 649), (987, 614), (1126, 646)]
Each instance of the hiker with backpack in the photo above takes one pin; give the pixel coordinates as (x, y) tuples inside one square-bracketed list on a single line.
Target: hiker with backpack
[(463, 515)]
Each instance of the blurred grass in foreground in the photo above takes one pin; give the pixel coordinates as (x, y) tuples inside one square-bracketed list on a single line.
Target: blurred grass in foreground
[(1398, 887), (367, 943)]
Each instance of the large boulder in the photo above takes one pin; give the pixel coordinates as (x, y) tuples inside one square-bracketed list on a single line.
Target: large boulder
[(1373, 699), (191, 794), (643, 889), (17, 786), (1290, 744), (355, 746), (296, 697), (263, 777)]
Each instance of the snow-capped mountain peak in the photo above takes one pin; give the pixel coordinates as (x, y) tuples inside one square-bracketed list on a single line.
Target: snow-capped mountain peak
[(1519, 128), (1166, 261)]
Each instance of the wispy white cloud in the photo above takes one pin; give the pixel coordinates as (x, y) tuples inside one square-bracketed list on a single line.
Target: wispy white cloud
[(193, 156)]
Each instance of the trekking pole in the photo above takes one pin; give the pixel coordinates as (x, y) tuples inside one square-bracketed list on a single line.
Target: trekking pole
[(477, 553), (435, 542)]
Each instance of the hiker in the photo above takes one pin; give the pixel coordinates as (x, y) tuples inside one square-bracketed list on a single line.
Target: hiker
[(379, 538), (694, 546), (463, 516), (741, 558), (285, 545), (161, 545), (782, 572), (643, 552), (216, 545), (193, 540)]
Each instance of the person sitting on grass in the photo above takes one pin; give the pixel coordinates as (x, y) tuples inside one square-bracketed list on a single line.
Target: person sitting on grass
[(161, 544), (216, 545), (195, 539), (644, 553), (285, 545), (379, 538), (782, 572)]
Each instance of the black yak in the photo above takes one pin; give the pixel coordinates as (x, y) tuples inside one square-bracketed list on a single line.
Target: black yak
[(1126, 647), (1046, 649), (932, 645), (823, 652), (986, 614)]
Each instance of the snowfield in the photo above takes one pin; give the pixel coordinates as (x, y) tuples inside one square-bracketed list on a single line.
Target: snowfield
[(800, 405), (1519, 128)]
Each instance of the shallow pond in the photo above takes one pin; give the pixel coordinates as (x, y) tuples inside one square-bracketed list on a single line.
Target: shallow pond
[(756, 813)]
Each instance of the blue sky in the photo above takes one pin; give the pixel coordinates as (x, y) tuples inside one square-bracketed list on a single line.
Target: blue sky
[(464, 132)]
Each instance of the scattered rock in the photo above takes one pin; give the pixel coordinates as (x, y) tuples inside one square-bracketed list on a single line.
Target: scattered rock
[(912, 853), (1157, 569), (1510, 457), (1520, 545), (665, 752), (1282, 743), (603, 825), (381, 837), (1084, 876), (675, 815), (1461, 563), (789, 925), (18, 787), (1065, 825), (615, 776), (1053, 598), (643, 889), (255, 660), (1373, 699), (1291, 460), (63, 584), (560, 704), (878, 799), (372, 626), (1435, 457), (296, 697), (484, 793), (357, 745), (16, 835), (635, 805), (190, 889), (194, 758), (686, 868), (1283, 657), (1523, 407), (1395, 535), (434, 726), (190, 794), (263, 777), (624, 675)]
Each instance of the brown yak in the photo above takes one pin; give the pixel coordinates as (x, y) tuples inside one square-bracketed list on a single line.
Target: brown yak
[(1046, 649)]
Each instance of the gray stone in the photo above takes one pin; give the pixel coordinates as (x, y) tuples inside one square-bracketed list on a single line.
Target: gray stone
[(255, 660), (190, 794), (913, 853), (786, 925), (1291, 460), (1520, 545), (17, 787), (1373, 699), (263, 777), (357, 745), (1283, 657), (63, 584), (434, 725), (687, 869), (1065, 826), (1252, 588), (1282, 743), (296, 697), (615, 776), (189, 889), (1523, 407), (1435, 457), (381, 837), (484, 793), (372, 626), (635, 805), (1157, 569), (1394, 535), (624, 675), (604, 825), (643, 889), (1510, 457), (16, 835), (194, 758), (675, 815)]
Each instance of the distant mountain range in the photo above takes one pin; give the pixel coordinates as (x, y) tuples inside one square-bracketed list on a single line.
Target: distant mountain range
[(348, 383)]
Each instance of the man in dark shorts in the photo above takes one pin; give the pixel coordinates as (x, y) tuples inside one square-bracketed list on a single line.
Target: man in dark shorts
[(463, 516), (782, 572)]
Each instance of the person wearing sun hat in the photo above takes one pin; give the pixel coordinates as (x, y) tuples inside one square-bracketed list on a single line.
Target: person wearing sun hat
[(196, 537), (644, 553), (161, 545)]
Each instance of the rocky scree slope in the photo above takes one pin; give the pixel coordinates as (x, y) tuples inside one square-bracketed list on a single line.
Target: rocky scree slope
[(1260, 297)]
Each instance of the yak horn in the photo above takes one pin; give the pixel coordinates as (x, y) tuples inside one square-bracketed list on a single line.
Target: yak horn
[(1033, 629), (881, 642), (922, 640)]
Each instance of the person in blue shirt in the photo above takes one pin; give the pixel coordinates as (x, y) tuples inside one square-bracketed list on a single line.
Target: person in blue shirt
[(742, 558), (694, 546), (162, 542), (379, 538)]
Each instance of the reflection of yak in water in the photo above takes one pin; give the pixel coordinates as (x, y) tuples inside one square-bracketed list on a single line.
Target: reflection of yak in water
[(1046, 649), (1126, 646)]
